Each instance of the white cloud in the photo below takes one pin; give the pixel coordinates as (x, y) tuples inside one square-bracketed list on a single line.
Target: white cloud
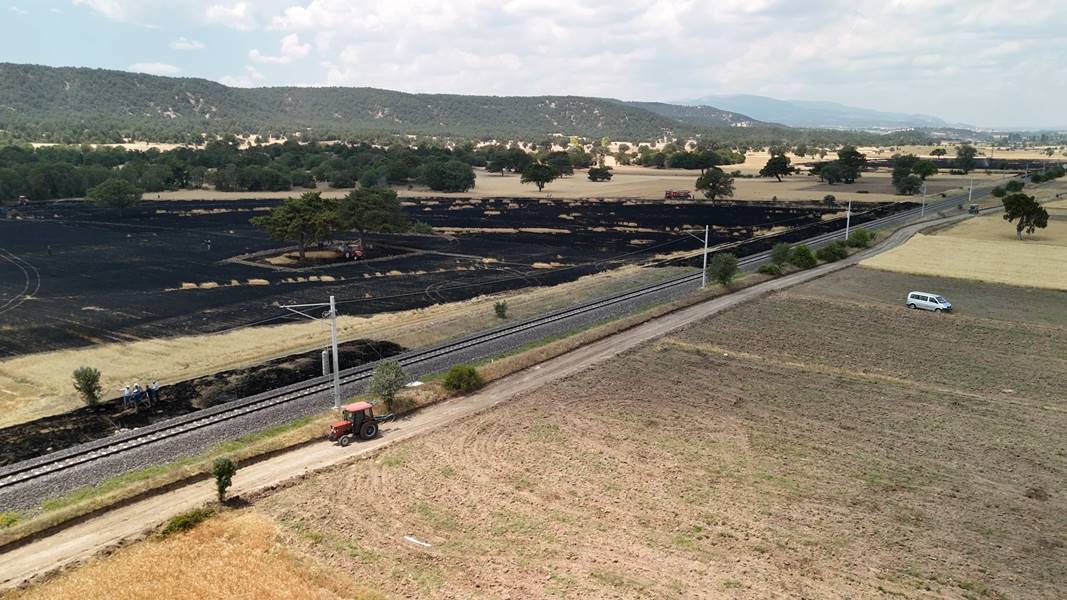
[(184, 43), (112, 9), (154, 68), (247, 79), (291, 49), (18, 11), (237, 16)]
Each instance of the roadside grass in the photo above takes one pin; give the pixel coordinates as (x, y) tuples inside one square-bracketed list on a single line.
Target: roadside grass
[(186, 521)]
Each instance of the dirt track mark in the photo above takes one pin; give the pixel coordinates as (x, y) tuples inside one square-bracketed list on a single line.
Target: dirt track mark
[(32, 276)]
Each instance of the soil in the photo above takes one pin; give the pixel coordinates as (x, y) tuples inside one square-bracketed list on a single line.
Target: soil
[(168, 268), (816, 443), (49, 434)]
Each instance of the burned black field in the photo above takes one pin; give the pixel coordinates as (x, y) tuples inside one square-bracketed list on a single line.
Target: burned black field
[(172, 268)]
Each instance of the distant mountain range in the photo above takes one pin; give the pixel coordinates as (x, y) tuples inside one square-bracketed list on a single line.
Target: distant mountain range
[(74, 104), (803, 113)]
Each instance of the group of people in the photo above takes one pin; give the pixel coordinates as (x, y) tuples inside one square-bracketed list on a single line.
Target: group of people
[(136, 395)]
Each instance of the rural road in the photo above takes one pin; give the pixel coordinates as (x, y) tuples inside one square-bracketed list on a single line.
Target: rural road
[(112, 528)]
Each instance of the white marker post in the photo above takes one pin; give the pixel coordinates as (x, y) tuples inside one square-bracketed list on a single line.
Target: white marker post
[(922, 213), (704, 271)]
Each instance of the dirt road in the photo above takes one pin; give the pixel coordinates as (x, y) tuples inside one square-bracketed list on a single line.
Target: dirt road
[(84, 540)]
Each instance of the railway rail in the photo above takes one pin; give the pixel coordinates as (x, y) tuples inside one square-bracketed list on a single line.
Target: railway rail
[(22, 472)]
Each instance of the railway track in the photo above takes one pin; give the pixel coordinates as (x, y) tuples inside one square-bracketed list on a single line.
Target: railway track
[(25, 471)]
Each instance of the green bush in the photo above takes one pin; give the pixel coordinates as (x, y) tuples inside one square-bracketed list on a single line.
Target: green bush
[(770, 269), (462, 378), (8, 518), (87, 384), (186, 521), (223, 469), (723, 267), (832, 252), (501, 309), (388, 378), (802, 257), (780, 253), (860, 238)]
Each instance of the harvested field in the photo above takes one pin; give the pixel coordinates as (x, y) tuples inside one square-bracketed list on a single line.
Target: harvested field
[(798, 446), (985, 249), (202, 563)]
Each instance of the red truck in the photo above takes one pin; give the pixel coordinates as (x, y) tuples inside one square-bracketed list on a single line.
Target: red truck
[(677, 195)]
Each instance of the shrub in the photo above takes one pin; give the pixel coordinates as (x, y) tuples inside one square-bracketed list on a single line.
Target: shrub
[(723, 267), (87, 384), (387, 380), (420, 227), (186, 521), (462, 378), (223, 469), (770, 269), (829, 199), (860, 238), (501, 309), (8, 518), (802, 257), (780, 253), (832, 252)]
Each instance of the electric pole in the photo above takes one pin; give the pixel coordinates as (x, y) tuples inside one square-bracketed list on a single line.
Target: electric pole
[(330, 314), (922, 213), (848, 219), (704, 270)]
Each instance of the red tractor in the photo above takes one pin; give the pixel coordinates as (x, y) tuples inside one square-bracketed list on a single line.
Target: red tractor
[(357, 420), (677, 195), (350, 250)]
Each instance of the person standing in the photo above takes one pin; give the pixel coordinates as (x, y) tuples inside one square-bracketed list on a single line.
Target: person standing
[(153, 391), (125, 395), (136, 393)]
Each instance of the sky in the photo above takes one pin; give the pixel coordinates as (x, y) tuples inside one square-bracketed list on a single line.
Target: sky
[(997, 63)]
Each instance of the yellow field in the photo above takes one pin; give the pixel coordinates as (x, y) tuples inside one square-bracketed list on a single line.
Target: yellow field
[(38, 385), (225, 557), (993, 228), (643, 183), (1025, 263)]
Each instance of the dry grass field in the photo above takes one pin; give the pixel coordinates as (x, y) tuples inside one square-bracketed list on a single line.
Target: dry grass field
[(228, 558), (986, 249), (38, 385), (643, 183), (797, 446)]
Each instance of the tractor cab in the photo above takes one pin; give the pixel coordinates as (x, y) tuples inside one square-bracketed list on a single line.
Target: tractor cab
[(357, 420)]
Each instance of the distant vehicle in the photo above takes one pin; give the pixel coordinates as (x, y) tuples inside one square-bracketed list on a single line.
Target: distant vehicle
[(677, 195), (350, 250), (928, 301)]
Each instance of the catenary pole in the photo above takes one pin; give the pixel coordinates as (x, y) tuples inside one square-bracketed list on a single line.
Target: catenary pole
[(333, 342), (848, 219), (704, 271)]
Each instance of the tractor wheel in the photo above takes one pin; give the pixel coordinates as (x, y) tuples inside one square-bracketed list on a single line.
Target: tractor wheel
[(345, 440), (368, 430)]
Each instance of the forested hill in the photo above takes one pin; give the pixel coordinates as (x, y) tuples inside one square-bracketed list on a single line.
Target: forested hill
[(77, 104)]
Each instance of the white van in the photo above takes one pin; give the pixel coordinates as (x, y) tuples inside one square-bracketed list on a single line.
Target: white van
[(928, 301)]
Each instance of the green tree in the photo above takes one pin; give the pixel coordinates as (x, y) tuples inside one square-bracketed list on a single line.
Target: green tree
[(999, 192), (831, 172), (223, 470), (600, 174), (372, 209), (561, 162), (87, 384), (924, 168), (965, 154), (1030, 214), (309, 218), (723, 267), (387, 380), (802, 257), (777, 166), (938, 152), (852, 162), (115, 193), (908, 185), (1014, 186), (539, 174), (447, 176), (715, 184), (780, 253)]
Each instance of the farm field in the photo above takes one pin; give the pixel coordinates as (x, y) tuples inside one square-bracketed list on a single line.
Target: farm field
[(986, 248), (745, 456), (644, 183)]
